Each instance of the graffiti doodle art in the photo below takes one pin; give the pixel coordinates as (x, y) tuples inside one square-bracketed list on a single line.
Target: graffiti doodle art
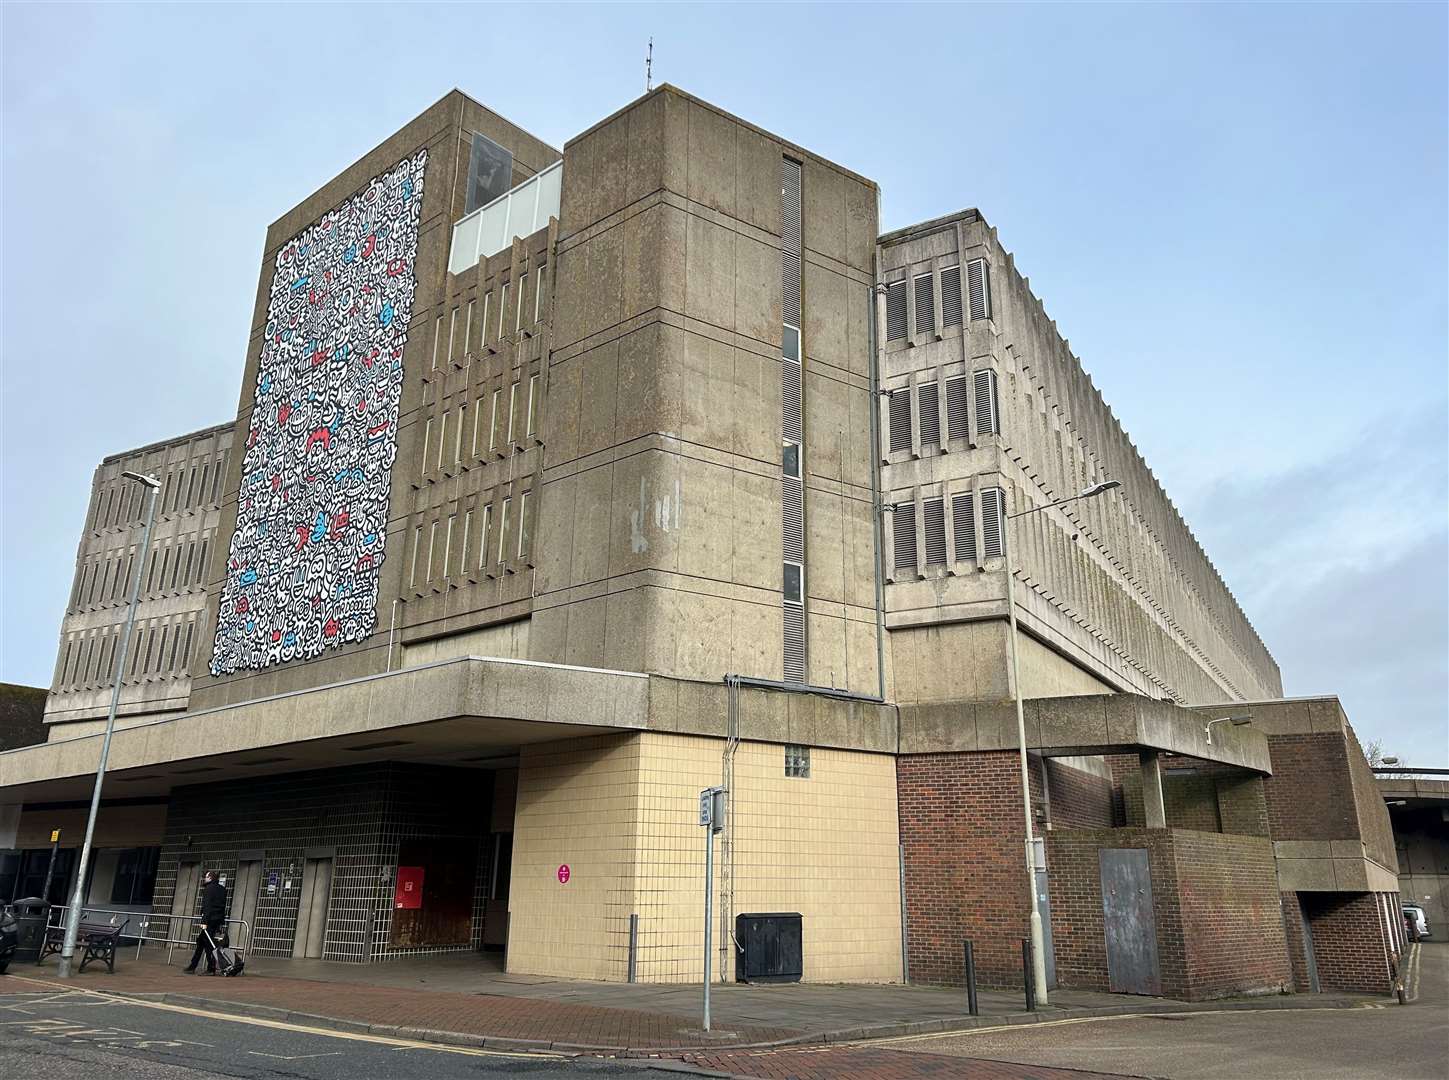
[(311, 520)]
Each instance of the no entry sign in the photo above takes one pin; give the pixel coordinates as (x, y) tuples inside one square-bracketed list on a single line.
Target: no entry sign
[(563, 874)]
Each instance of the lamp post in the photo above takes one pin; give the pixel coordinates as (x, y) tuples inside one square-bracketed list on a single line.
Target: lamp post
[(1038, 970), (1236, 721), (73, 912)]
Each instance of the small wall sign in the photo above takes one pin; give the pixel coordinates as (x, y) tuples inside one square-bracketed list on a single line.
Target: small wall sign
[(563, 874)]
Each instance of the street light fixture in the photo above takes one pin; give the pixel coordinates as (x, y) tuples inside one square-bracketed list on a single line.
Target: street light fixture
[(1038, 954), (1236, 721), (73, 912)]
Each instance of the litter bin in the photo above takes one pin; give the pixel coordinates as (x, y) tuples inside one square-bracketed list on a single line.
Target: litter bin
[(30, 919)]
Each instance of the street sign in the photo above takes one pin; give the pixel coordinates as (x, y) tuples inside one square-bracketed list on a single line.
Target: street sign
[(712, 808), (55, 836), (563, 874)]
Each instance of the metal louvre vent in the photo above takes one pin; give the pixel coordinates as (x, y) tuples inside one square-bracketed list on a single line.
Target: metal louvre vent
[(928, 397), (905, 536), (925, 305), (895, 311), (987, 421), (794, 627), (934, 511), (790, 238), (791, 402), (958, 426), (993, 514), (900, 420), (951, 296), (792, 518), (978, 289), (963, 525)]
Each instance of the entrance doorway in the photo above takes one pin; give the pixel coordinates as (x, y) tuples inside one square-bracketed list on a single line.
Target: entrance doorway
[(312, 901), (244, 901), (1129, 923)]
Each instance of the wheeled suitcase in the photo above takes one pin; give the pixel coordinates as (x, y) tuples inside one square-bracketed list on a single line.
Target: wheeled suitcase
[(229, 961)]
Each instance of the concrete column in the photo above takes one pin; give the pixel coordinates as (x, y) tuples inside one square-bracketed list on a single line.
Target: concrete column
[(1153, 811)]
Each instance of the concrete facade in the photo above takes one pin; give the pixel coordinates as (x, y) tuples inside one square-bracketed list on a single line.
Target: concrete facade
[(1418, 809), (692, 481)]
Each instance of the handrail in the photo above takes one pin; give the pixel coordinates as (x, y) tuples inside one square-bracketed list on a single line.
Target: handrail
[(143, 921)]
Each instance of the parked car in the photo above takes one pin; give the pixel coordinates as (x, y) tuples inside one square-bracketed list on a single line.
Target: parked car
[(1414, 916), (9, 936)]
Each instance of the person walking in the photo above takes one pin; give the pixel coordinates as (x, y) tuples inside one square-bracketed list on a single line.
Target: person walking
[(213, 915)]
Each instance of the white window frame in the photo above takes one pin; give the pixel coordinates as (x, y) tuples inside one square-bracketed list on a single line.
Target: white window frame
[(465, 539), (800, 602), (437, 340), (503, 527), (523, 524), (532, 405), (448, 546), (522, 289)]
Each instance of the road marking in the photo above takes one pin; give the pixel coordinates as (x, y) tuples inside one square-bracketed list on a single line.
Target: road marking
[(279, 1025), (295, 1057)]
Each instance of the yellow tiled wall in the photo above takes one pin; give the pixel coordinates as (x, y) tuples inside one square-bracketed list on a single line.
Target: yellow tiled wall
[(622, 812)]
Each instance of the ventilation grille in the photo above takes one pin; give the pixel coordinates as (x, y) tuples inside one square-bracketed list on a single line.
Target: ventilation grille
[(790, 238), (978, 288), (987, 422), (929, 401), (900, 420), (957, 423), (925, 305), (895, 311), (951, 296), (791, 406), (905, 536), (793, 518), (963, 526), (934, 511), (993, 513), (794, 643)]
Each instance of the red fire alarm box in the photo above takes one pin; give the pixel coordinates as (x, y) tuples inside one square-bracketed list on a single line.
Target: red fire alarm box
[(409, 893)]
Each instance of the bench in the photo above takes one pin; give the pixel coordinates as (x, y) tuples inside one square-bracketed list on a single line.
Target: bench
[(99, 939)]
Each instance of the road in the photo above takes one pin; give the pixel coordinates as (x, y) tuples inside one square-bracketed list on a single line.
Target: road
[(1384, 1042), (48, 1035)]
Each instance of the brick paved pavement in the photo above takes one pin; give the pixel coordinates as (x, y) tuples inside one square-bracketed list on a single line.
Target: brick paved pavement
[(867, 1063)]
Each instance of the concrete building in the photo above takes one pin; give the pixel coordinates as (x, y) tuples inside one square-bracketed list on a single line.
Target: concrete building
[(1418, 804), (559, 496)]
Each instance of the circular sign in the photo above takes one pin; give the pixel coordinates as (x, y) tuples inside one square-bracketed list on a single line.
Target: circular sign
[(563, 874)]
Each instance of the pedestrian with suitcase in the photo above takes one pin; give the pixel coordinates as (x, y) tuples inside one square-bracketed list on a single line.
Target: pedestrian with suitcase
[(213, 915)]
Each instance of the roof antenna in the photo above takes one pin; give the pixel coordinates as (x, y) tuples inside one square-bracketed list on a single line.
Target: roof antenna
[(649, 68)]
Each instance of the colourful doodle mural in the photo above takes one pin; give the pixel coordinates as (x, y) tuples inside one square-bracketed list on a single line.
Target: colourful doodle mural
[(311, 522)]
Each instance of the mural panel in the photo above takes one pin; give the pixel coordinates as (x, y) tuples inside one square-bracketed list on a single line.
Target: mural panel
[(311, 524)]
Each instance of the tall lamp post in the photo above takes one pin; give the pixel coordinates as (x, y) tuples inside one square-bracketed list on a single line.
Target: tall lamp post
[(1038, 972), (73, 912)]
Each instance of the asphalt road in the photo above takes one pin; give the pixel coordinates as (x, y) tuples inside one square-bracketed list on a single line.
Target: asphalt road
[(1384, 1042), (71, 1034)]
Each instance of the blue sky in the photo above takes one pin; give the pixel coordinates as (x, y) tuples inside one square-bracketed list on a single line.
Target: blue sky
[(1237, 215)]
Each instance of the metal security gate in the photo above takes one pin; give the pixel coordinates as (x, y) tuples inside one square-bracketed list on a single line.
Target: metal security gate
[(1131, 928)]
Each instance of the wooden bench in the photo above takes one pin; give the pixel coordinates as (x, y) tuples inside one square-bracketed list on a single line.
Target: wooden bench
[(99, 939)]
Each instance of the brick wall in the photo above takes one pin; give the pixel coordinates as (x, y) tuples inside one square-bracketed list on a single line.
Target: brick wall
[(1215, 904), (1349, 942), (1293, 934), (1308, 795), (1079, 799), (965, 872)]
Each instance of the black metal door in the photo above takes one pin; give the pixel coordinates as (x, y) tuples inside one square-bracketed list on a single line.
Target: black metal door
[(1131, 928)]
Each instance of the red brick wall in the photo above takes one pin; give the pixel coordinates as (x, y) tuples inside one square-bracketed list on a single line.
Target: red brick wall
[(1293, 930), (1349, 943), (965, 865), (1310, 794), (1214, 899), (1079, 800)]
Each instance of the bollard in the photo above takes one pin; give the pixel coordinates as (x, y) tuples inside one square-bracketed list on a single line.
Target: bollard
[(971, 1004), (1027, 977), (633, 946)]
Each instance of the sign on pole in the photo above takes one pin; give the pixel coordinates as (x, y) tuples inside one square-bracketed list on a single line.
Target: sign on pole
[(712, 816)]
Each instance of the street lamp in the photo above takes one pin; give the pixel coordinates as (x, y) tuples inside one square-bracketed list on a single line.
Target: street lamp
[(73, 912), (1236, 721), (1038, 972)]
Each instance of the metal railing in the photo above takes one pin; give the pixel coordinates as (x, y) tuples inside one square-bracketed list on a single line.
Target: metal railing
[(144, 922)]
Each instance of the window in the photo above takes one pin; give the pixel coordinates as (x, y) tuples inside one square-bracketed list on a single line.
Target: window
[(502, 309), (951, 296), (958, 426), (485, 537), (186, 649), (512, 408), (442, 438), (925, 304), (150, 642), (477, 423), (417, 545), (963, 525), (427, 438), (205, 469), (797, 761), (900, 420), (465, 541), (458, 434), (200, 563), (522, 290), (978, 289), (928, 400), (790, 344), (895, 310), (432, 550), (987, 420), (904, 521), (532, 404), (176, 567), (190, 559), (790, 460), (523, 525), (793, 583), (993, 522), (934, 512), (503, 529), (468, 326), (490, 173), (538, 295), (437, 340), (493, 421), (452, 332), (175, 648), (135, 880), (483, 322)]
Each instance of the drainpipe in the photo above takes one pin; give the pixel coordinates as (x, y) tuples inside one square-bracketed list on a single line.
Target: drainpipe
[(876, 509)]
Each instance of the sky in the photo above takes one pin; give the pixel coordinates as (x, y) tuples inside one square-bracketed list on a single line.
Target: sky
[(1235, 213)]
